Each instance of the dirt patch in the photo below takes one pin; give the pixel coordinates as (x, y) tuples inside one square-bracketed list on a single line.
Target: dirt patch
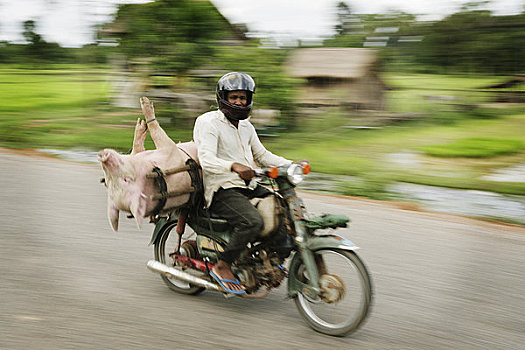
[(43, 121), (119, 113), (115, 126), (29, 152), (511, 174)]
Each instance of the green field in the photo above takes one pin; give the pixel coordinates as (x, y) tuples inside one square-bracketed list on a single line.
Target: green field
[(454, 137)]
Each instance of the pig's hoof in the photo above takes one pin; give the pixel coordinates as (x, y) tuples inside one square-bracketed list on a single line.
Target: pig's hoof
[(147, 108), (145, 102)]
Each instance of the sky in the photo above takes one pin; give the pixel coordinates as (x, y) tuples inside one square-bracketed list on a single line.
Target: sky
[(69, 22)]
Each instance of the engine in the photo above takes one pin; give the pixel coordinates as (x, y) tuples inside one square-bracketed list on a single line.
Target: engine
[(262, 270)]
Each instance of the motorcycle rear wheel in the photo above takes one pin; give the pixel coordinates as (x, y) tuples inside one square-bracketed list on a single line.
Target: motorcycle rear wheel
[(167, 244), (347, 297)]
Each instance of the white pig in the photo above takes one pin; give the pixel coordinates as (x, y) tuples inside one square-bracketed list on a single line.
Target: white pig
[(125, 175)]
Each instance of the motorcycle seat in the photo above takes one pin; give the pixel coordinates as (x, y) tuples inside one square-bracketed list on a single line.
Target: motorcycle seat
[(216, 216), (218, 225)]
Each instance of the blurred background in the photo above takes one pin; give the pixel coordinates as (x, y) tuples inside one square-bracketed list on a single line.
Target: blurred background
[(393, 100)]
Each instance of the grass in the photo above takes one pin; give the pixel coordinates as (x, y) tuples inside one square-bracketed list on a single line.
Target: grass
[(63, 108), (46, 90), (475, 147), (451, 146), (457, 138)]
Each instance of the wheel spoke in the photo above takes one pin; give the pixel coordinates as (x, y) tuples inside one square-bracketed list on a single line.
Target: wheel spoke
[(345, 293), (165, 252)]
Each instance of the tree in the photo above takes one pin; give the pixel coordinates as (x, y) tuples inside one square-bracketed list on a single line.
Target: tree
[(475, 5), (39, 49), (349, 28), (175, 35), (344, 17), (470, 40), (30, 35)]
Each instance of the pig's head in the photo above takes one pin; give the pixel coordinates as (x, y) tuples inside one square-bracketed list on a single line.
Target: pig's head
[(124, 186)]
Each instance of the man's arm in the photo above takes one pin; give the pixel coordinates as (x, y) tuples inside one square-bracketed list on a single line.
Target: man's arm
[(261, 155), (206, 139)]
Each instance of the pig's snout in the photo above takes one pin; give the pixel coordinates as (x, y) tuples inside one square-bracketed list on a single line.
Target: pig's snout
[(109, 158), (102, 156)]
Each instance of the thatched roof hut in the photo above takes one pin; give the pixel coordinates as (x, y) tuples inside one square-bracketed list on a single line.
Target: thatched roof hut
[(338, 76)]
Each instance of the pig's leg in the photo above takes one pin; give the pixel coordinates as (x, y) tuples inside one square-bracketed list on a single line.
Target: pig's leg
[(190, 148), (139, 137), (158, 135), (138, 208), (113, 214)]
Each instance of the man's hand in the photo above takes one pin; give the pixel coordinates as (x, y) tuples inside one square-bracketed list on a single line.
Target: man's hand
[(246, 173)]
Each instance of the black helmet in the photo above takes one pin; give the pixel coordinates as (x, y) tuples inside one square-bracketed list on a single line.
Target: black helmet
[(235, 81)]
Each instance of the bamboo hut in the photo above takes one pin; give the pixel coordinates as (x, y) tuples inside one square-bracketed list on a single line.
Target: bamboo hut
[(338, 76)]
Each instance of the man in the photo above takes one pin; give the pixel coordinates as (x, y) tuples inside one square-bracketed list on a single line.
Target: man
[(229, 149)]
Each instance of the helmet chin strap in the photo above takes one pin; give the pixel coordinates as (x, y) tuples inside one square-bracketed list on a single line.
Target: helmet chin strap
[(234, 112), (232, 118)]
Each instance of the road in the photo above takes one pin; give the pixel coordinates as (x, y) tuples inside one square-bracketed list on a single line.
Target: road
[(68, 282)]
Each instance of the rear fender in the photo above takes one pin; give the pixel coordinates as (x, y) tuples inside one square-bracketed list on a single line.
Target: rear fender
[(158, 227), (314, 243)]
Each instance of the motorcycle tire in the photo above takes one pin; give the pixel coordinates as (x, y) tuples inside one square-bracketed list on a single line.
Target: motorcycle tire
[(345, 277), (166, 244)]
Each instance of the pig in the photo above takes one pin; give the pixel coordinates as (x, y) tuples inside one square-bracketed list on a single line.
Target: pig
[(129, 189)]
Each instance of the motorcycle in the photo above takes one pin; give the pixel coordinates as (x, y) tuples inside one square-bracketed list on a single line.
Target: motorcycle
[(325, 277)]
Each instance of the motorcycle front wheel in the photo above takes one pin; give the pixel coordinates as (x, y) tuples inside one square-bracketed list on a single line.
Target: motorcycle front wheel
[(346, 293), (166, 246)]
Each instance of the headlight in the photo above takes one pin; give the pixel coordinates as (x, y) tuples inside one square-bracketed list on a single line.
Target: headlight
[(295, 174)]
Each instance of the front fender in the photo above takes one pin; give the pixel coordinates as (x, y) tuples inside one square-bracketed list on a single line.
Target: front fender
[(314, 243), (329, 241)]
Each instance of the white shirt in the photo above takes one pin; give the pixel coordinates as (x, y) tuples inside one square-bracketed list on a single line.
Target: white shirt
[(220, 144)]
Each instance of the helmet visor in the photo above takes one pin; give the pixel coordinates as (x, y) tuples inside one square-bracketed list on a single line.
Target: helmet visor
[(236, 81)]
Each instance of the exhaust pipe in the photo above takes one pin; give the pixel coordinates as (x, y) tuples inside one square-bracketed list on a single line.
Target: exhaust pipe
[(167, 271)]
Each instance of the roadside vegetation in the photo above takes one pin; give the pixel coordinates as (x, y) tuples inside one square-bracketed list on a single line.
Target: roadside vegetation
[(443, 144), (440, 126)]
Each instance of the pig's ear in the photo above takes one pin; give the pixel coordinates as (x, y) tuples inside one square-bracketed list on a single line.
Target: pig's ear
[(138, 209), (113, 215)]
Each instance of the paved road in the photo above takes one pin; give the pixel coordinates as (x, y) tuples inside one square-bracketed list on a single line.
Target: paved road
[(68, 282)]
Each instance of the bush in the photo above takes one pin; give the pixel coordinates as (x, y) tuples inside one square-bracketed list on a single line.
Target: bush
[(475, 148)]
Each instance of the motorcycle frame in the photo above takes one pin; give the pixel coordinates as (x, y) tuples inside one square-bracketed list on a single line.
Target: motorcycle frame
[(307, 243)]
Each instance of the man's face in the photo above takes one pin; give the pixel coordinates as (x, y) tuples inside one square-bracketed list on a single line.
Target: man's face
[(237, 98)]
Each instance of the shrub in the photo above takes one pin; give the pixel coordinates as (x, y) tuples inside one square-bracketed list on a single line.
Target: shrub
[(476, 147)]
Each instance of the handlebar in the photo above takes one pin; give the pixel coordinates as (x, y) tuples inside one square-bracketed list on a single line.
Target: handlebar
[(284, 170)]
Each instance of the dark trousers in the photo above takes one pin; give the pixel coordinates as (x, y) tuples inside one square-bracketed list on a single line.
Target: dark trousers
[(233, 204)]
